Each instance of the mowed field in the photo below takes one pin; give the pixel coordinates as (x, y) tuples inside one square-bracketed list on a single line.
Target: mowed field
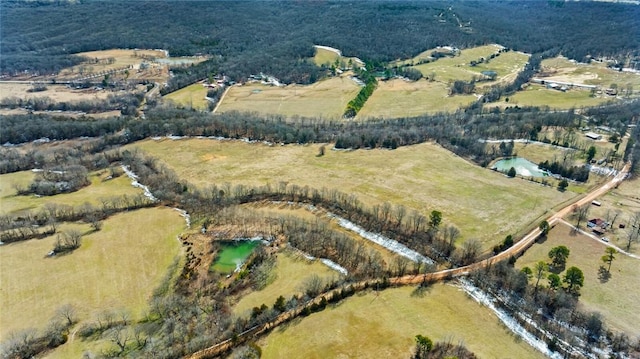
[(57, 93), (399, 98), (565, 70), (384, 325), (192, 96), (326, 98), (11, 203), (448, 69), (484, 204), (115, 268), (291, 272), (617, 299), (536, 95)]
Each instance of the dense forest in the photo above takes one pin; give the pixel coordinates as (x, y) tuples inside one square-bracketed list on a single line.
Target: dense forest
[(277, 37)]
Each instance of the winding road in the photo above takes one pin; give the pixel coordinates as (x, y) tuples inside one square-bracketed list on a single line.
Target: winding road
[(517, 249)]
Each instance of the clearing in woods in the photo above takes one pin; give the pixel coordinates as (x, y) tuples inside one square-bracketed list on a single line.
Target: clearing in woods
[(384, 325), (100, 188), (485, 205), (596, 73), (192, 96), (616, 299), (115, 268), (540, 96), (325, 99), (398, 98)]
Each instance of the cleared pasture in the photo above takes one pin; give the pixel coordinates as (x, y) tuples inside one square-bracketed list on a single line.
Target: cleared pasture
[(541, 96), (57, 93), (617, 299), (326, 99), (106, 60), (117, 267), (484, 204), (100, 187), (384, 324), (325, 57), (192, 96), (565, 70), (291, 271), (398, 98)]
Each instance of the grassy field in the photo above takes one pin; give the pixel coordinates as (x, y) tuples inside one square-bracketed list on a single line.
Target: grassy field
[(449, 69), (536, 95), (292, 269), (617, 299), (11, 203), (57, 93), (398, 98), (117, 267), (325, 57), (121, 58), (192, 96), (482, 203), (327, 98), (384, 326), (565, 70)]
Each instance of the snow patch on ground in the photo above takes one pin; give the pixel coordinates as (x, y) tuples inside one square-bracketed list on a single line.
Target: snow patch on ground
[(381, 240), (333, 265), (185, 215), (135, 183)]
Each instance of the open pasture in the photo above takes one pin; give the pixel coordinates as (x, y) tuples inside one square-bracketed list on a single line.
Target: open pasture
[(565, 70), (326, 99), (192, 96), (57, 93), (484, 204), (325, 57), (540, 96), (115, 268), (617, 299), (291, 272), (116, 59), (398, 98), (100, 187), (384, 325)]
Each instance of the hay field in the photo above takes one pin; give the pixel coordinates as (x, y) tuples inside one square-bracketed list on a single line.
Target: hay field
[(57, 93), (617, 300), (291, 270), (565, 70), (192, 96), (482, 203), (11, 203), (536, 95), (117, 267), (325, 57), (326, 99), (384, 325), (398, 98)]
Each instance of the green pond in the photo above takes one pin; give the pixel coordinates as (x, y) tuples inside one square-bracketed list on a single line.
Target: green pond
[(522, 166), (232, 255)]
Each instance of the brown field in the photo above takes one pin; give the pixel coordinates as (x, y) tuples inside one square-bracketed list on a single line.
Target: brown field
[(482, 203), (617, 299), (11, 203), (57, 93), (122, 58), (399, 98), (117, 267), (326, 99), (384, 325), (540, 96), (565, 70)]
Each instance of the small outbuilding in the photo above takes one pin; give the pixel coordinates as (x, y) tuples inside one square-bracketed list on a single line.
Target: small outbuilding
[(593, 136)]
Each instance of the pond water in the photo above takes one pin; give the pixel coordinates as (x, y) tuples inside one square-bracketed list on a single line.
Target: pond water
[(523, 167), (232, 255)]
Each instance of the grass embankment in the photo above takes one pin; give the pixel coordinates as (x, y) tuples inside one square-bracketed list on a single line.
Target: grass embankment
[(485, 205), (384, 324), (326, 98), (291, 272), (192, 96), (617, 299), (100, 187), (117, 267)]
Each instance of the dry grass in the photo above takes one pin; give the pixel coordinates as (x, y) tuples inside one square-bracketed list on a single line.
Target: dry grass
[(565, 70), (384, 325), (291, 270), (398, 98), (536, 95), (482, 203), (617, 299), (11, 203), (325, 57), (192, 96), (326, 99), (117, 267), (57, 93), (122, 58)]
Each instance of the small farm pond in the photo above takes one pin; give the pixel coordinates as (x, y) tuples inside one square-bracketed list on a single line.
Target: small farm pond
[(232, 254), (522, 166)]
